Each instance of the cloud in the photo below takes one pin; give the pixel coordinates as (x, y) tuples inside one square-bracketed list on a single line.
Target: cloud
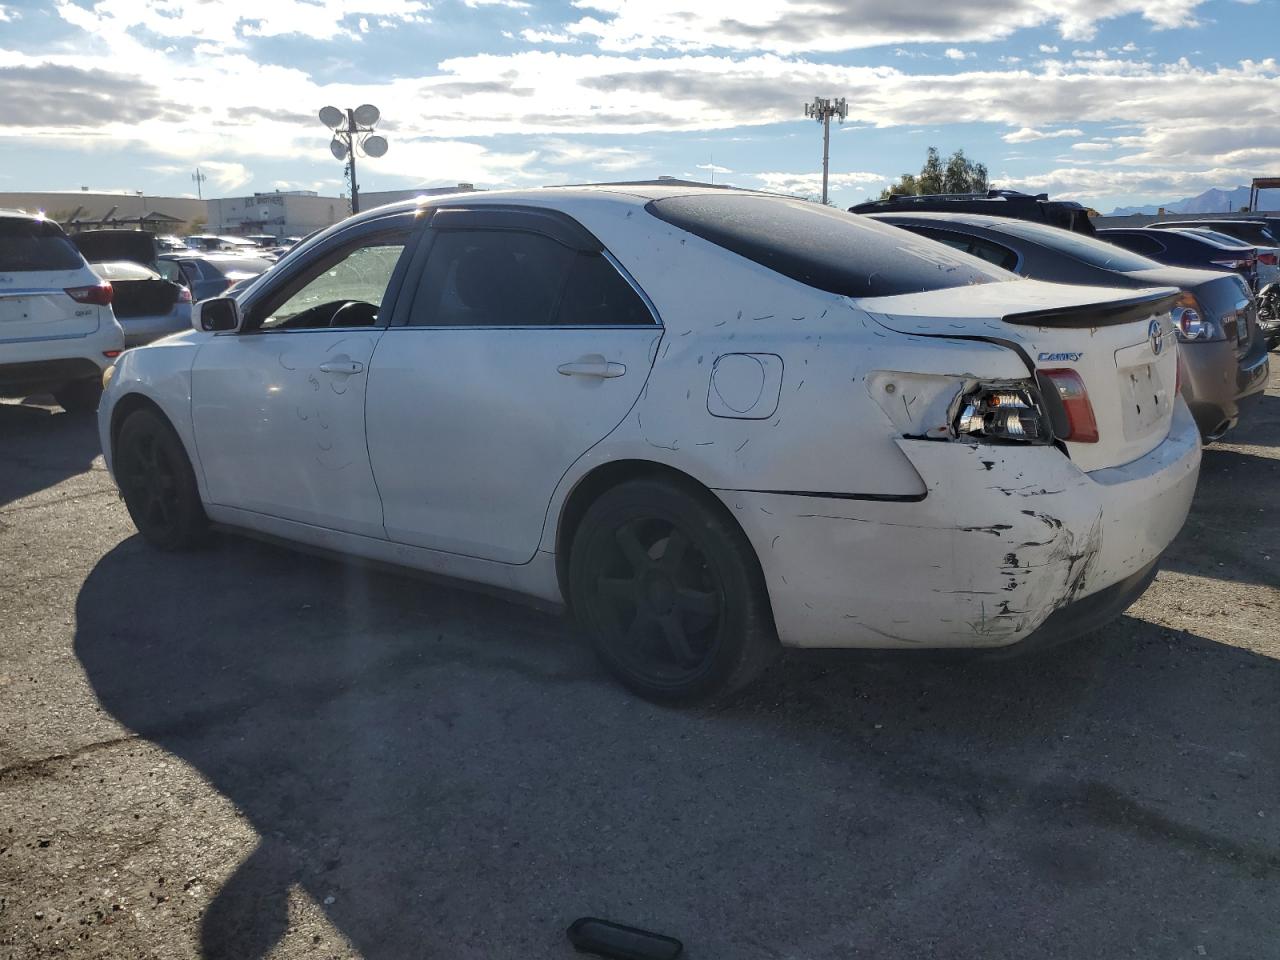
[(809, 184), (227, 175), (546, 36), (212, 103), (231, 22), (1047, 48), (1029, 134), (510, 4), (1091, 146), (1097, 184), (8, 14), (795, 26), (952, 53), (712, 168), (55, 95)]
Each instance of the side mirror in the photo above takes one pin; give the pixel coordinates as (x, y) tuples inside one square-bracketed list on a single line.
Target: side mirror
[(216, 315)]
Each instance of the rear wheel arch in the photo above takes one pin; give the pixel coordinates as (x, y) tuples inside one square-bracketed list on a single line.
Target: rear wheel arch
[(605, 477)]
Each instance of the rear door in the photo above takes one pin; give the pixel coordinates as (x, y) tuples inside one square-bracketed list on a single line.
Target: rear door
[(38, 265), (525, 345)]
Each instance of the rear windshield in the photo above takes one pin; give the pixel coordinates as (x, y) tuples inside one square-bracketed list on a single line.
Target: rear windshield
[(35, 245), (829, 249), (1221, 239), (243, 266), (1096, 253)]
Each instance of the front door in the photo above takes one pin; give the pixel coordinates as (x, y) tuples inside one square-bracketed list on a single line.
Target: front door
[(278, 408), (524, 346)]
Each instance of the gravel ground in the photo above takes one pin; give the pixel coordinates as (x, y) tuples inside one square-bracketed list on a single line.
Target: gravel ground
[(246, 752)]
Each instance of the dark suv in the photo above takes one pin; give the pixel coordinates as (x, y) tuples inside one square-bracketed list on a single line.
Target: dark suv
[(1066, 214)]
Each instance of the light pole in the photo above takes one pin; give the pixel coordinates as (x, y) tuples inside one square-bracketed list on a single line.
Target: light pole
[(199, 178), (352, 131), (823, 109)]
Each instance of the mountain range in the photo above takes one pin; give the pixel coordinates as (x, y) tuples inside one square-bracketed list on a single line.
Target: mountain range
[(1211, 201)]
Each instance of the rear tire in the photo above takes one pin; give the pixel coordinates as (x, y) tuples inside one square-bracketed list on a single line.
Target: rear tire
[(157, 482), (671, 593), (80, 396)]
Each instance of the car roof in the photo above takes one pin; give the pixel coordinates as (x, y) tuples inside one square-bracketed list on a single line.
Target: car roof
[(1194, 235), (555, 197), (23, 215), (969, 219)]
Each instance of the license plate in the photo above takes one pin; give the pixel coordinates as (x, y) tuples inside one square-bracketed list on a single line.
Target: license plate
[(1146, 399), (14, 309)]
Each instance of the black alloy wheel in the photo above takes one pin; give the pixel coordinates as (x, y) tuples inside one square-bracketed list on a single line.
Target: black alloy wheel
[(671, 593), (157, 482)]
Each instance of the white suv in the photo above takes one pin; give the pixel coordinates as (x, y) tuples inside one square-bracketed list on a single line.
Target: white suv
[(57, 331)]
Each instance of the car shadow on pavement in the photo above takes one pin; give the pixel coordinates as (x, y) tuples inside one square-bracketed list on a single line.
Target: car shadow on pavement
[(1234, 494), (453, 776), (41, 447)]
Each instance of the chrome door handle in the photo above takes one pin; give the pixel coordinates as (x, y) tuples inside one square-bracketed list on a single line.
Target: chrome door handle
[(346, 367), (604, 369)]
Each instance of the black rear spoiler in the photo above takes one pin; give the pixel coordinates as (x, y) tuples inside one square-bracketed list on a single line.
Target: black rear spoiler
[(1106, 314)]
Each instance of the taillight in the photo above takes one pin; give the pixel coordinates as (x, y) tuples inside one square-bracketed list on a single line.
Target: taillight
[(1080, 426), (1189, 320), (1236, 263), (1002, 413), (1268, 259), (184, 295), (98, 294)]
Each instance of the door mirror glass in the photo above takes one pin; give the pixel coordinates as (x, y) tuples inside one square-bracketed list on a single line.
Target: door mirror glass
[(216, 315)]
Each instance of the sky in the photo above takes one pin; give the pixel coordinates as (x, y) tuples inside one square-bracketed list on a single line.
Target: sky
[(1111, 102)]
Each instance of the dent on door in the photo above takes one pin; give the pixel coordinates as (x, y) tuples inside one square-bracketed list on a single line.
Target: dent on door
[(318, 388)]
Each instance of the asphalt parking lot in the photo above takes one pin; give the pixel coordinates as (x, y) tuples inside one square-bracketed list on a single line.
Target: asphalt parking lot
[(247, 752)]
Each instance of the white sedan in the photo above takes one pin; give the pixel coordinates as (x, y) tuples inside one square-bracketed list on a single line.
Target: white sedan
[(709, 422)]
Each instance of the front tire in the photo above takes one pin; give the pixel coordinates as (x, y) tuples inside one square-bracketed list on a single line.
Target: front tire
[(157, 482), (671, 593), (80, 396)]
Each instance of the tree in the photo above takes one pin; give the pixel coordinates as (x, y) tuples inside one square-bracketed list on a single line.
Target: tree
[(958, 175)]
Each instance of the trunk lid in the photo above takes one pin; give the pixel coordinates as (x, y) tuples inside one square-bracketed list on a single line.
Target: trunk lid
[(138, 291), (1120, 342)]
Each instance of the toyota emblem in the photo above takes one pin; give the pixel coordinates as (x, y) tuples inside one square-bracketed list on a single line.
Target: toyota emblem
[(1155, 336)]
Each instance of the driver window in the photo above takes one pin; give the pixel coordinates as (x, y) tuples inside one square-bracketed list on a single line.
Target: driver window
[(344, 289)]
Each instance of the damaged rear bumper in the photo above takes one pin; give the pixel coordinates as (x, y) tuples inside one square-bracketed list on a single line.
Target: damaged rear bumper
[(1008, 539)]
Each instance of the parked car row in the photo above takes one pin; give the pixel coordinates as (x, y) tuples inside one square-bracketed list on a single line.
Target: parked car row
[(1225, 362), (70, 305), (709, 422)]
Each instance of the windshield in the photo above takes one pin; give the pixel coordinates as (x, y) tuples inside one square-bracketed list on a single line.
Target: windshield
[(35, 245), (1096, 253), (829, 249)]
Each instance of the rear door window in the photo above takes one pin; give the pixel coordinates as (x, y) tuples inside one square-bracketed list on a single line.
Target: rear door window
[(595, 295), (829, 249), (35, 245)]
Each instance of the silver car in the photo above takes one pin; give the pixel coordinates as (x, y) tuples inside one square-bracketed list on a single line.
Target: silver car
[(146, 305)]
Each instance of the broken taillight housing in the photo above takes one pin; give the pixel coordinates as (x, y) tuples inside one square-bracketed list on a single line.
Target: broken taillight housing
[(1002, 413)]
